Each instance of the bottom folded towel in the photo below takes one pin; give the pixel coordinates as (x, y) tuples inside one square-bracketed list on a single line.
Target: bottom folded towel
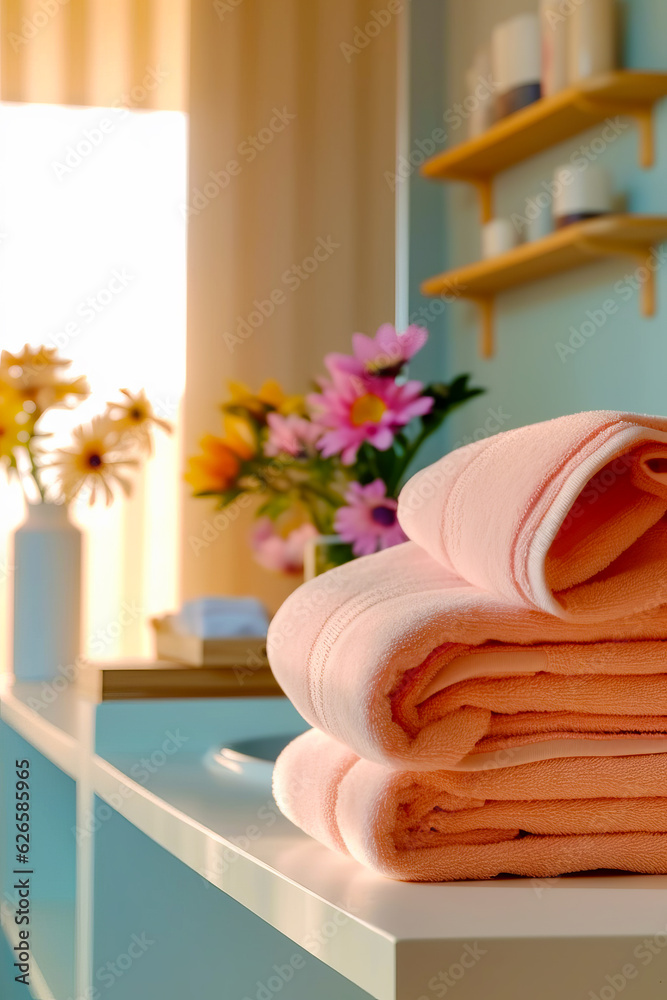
[(538, 819)]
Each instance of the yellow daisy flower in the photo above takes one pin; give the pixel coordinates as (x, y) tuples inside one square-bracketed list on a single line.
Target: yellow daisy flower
[(36, 374), (137, 417), (96, 461), (16, 425)]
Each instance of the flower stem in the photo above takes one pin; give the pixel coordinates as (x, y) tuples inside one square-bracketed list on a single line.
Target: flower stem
[(34, 471), (318, 521), (370, 455), (325, 494), (408, 455)]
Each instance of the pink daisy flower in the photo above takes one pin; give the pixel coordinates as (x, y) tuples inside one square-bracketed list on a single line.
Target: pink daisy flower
[(369, 522), (354, 410), (291, 435), (383, 355), (280, 553)]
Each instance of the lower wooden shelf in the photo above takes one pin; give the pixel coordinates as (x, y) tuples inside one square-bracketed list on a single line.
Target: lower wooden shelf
[(633, 236)]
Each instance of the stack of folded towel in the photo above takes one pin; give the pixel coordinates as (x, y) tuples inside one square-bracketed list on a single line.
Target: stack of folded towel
[(491, 696)]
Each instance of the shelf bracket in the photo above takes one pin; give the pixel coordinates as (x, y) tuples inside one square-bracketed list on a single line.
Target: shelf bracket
[(642, 254), (485, 188), (646, 137), (487, 339), (643, 115)]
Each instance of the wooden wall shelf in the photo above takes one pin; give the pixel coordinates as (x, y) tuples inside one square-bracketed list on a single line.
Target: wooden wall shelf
[(631, 236), (548, 122)]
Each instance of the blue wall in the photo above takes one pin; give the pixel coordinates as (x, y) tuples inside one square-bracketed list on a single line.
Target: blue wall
[(623, 364)]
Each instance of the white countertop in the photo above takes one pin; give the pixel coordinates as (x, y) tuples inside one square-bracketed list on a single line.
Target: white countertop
[(522, 938)]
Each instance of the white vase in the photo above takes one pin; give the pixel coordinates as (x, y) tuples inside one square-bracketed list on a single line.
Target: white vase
[(47, 593)]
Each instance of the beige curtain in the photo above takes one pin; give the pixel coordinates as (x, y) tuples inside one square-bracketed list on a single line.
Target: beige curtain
[(105, 53), (292, 127)]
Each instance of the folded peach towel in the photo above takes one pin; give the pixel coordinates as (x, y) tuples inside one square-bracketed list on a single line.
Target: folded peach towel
[(412, 667), (565, 516), (540, 819)]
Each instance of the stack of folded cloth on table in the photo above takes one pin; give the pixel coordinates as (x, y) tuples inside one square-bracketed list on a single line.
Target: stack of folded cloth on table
[(491, 696)]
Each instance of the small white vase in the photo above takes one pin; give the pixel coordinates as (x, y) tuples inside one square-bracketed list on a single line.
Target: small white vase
[(47, 594)]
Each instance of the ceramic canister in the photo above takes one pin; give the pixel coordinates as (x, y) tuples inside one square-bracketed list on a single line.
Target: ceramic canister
[(554, 38), (498, 236), (516, 63), (580, 194), (592, 39)]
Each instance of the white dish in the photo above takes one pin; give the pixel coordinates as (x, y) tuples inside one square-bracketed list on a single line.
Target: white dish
[(253, 758)]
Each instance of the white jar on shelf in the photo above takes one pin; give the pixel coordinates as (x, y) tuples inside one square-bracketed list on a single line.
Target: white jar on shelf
[(592, 39), (554, 38), (516, 62), (498, 236), (581, 194)]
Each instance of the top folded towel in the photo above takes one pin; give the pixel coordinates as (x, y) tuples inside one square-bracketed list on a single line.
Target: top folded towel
[(565, 516), (413, 668)]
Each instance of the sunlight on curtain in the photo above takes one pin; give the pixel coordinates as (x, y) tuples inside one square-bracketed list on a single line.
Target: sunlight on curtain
[(93, 261), (286, 69)]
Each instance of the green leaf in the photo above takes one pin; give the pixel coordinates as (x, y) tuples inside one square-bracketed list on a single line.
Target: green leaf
[(275, 506), (447, 397)]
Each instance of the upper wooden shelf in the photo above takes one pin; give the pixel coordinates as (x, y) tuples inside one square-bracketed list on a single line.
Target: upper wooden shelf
[(624, 235), (548, 122)]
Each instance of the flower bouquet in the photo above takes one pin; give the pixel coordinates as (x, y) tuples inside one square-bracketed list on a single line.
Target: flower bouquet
[(332, 462), (102, 454)]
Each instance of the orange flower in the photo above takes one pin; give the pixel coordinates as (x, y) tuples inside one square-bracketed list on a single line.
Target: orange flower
[(217, 468), (240, 436)]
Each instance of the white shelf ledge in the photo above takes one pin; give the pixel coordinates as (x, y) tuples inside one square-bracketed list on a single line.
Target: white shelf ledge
[(52, 729)]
